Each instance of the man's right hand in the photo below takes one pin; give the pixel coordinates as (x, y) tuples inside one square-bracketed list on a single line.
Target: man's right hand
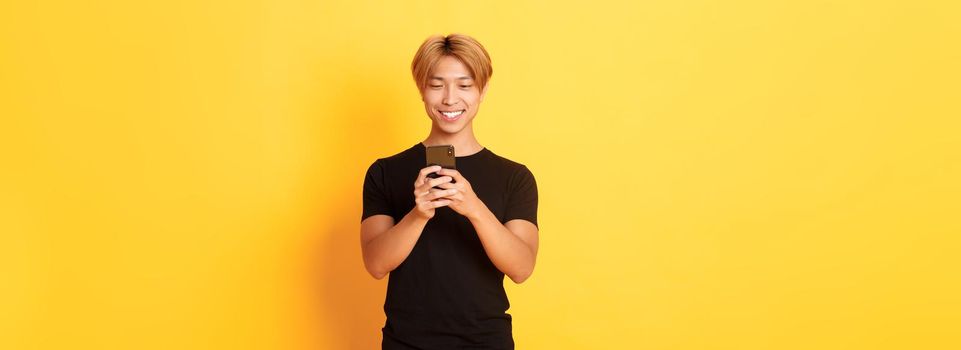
[(426, 197)]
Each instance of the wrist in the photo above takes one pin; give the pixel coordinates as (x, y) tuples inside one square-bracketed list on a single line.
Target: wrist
[(416, 218), (481, 213)]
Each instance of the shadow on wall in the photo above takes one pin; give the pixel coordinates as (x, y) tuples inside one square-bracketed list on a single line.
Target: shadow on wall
[(351, 301)]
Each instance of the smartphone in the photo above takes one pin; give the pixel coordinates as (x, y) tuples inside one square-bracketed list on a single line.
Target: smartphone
[(443, 156)]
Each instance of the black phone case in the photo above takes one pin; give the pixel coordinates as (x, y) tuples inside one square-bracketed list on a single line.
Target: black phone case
[(443, 156)]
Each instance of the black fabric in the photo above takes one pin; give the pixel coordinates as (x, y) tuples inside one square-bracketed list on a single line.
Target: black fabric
[(447, 294)]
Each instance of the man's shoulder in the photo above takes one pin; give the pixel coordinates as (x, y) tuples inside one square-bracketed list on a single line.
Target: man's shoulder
[(405, 155), (508, 166), (400, 159)]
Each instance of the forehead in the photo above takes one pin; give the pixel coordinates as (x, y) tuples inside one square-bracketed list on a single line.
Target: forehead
[(449, 67)]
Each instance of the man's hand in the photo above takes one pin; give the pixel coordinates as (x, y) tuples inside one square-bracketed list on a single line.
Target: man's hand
[(426, 197), (463, 199)]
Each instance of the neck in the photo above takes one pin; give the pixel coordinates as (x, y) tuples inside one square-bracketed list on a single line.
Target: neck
[(464, 142)]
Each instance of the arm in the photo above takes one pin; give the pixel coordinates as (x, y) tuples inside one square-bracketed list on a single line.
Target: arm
[(512, 247), (385, 245)]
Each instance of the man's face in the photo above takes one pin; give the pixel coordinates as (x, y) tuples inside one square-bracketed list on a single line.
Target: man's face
[(451, 97)]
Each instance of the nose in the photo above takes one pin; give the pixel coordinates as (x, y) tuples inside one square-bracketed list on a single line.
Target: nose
[(450, 97)]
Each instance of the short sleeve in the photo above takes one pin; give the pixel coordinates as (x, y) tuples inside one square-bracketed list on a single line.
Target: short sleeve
[(375, 199), (522, 197)]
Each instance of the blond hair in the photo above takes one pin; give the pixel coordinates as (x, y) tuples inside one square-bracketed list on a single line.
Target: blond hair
[(465, 48)]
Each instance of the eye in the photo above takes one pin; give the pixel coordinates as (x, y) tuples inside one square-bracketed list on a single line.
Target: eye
[(465, 86), (436, 86)]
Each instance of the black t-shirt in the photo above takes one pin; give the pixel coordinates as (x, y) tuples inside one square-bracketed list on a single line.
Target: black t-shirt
[(448, 294)]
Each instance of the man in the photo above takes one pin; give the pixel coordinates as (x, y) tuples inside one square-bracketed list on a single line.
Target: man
[(447, 250)]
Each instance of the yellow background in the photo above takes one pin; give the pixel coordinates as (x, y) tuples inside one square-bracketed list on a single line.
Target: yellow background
[(712, 174)]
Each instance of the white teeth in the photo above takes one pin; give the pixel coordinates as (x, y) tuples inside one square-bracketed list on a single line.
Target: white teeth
[(452, 114)]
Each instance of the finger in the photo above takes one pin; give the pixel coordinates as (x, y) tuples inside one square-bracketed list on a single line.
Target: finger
[(440, 203), (423, 194), (459, 185), (423, 173), (442, 194), (453, 173), (419, 194), (434, 182), (424, 189), (426, 204), (422, 185)]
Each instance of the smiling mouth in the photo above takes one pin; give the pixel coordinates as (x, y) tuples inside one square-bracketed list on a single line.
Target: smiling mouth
[(453, 115)]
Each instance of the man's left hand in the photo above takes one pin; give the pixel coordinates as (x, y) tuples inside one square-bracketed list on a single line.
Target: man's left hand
[(464, 201)]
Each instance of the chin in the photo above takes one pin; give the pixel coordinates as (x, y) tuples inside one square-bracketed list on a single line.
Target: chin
[(451, 128)]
